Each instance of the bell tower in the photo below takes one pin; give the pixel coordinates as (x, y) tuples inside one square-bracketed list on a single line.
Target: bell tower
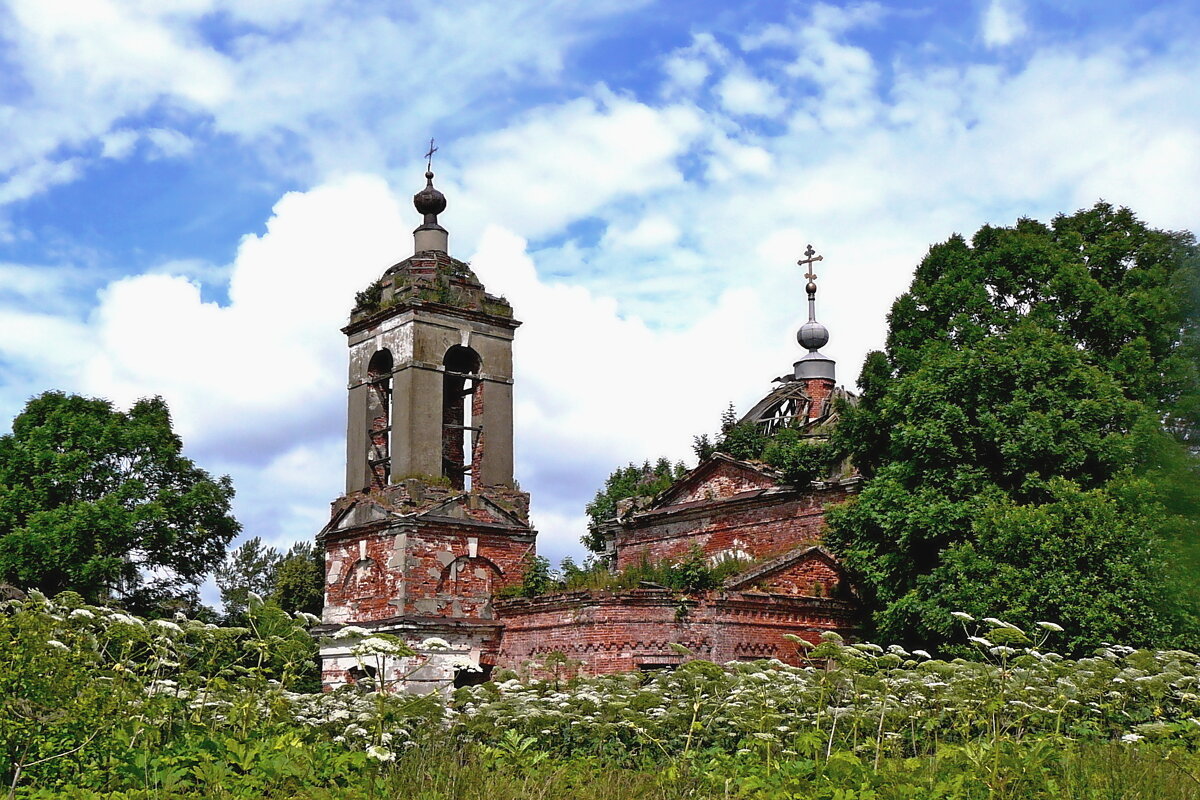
[(432, 525), (430, 391)]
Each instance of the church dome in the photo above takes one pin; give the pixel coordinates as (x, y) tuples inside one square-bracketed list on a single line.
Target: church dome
[(429, 201), (812, 335)]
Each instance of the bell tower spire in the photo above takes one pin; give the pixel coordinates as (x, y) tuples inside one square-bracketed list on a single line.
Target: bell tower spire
[(429, 202)]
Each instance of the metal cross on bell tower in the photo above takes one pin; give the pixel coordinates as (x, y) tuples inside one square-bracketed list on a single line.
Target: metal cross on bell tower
[(429, 157)]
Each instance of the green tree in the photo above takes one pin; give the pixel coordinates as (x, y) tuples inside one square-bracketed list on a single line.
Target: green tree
[(1030, 377), (103, 502), (294, 581), (624, 483), (249, 567), (536, 577), (299, 583)]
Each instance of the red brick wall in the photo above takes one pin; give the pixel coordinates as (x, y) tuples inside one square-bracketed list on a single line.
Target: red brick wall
[(610, 632), (819, 391), (725, 480), (427, 571), (756, 528), (812, 577)]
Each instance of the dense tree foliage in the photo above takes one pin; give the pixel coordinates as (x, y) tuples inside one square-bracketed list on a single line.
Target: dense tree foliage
[(103, 502), (294, 580), (299, 583), (1022, 435)]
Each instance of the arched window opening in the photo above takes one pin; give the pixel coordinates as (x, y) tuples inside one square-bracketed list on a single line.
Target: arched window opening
[(469, 577), (459, 431), (379, 418)]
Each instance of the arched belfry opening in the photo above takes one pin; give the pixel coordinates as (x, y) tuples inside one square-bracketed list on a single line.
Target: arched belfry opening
[(460, 418), (379, 418)]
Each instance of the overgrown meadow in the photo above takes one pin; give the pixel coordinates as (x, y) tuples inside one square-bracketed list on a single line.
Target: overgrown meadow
[(98, 703)]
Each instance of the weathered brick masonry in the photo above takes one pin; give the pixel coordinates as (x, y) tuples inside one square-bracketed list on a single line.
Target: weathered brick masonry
[(425, 551), (617, 632), (727, 509)]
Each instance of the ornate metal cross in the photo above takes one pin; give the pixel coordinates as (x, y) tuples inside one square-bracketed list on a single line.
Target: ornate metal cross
[(811, 258), (429, 157)]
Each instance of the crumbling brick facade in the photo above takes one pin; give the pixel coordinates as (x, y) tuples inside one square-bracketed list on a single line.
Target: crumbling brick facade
[(727, 509), (617, 632)]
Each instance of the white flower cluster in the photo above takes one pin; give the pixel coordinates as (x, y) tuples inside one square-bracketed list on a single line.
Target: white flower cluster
[(862, 687)]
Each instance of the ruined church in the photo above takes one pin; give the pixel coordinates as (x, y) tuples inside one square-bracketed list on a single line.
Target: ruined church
[(432, 525)]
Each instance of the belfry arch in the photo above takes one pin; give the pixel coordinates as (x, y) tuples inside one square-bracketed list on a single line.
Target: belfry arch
[(379, 416), (461, 412)]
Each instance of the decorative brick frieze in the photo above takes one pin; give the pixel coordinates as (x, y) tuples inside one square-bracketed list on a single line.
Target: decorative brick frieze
[(620, 631)]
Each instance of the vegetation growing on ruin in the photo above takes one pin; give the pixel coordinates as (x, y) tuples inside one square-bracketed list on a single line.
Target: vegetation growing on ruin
[(97, 703), (693, 572), (624, 483)]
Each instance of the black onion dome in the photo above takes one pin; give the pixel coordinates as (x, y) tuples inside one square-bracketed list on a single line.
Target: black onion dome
[(429, 201)]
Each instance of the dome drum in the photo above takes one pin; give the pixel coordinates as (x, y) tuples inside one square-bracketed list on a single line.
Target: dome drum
[(815, 365)]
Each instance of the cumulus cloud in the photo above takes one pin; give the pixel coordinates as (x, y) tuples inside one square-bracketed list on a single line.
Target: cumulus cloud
[(1003, 23), (262, 373), (742, 93), (687, 68), (304, 73)]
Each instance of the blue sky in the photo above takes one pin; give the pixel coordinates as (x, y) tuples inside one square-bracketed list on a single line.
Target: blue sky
[(191, 192)]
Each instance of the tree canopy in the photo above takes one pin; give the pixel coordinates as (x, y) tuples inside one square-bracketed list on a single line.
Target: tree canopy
[(1023, 435), (294, 581), (103, 502)]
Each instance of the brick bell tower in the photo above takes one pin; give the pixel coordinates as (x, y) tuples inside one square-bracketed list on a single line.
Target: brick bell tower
[(431, 525)]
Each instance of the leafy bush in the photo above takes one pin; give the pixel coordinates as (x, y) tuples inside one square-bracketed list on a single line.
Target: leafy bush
[(800, 459)]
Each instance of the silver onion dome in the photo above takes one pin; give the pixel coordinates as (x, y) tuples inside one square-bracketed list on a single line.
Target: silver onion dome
[(812, 335)]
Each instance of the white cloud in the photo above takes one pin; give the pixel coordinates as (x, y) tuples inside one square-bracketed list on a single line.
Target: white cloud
[(119, 143), (741, 93), (687, 68), (308, 73), (649, 233), (842, 76), (1003, 23), (169, 143), (732, 159), (566, 162), (263, 372)]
